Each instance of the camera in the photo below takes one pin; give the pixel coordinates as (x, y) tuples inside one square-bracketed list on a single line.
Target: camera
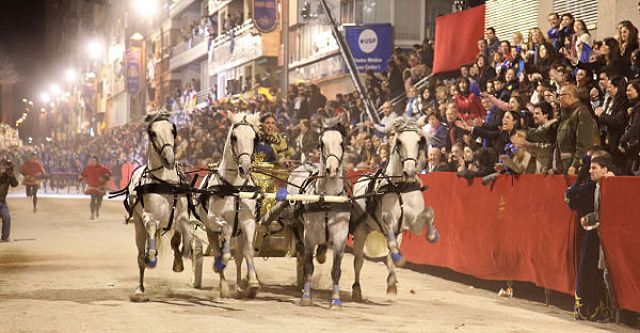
[(7, 163)]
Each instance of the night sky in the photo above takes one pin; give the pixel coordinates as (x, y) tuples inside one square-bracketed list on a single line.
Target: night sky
[(22, 40)]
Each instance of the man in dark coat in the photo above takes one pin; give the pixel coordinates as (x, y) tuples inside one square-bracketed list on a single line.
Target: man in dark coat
[(7, 178)]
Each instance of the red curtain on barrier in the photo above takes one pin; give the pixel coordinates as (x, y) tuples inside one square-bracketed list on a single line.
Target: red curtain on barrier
[(456, 40), (518, 229), (620, 237)]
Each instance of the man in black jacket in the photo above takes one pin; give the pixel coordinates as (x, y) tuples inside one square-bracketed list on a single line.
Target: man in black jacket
[(7, 178)]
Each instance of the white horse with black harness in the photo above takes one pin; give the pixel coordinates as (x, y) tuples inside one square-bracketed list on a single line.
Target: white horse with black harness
[(158, 200), (227, 216), (319, 223), (391, 201)]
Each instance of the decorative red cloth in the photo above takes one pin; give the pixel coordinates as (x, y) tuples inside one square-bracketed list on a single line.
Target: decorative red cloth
[(96, 177), (619, 230), (32, 171), (456, 39)]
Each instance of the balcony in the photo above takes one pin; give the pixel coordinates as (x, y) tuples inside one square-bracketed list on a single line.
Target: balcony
[(186, 53), (247, 46), (179, 6)]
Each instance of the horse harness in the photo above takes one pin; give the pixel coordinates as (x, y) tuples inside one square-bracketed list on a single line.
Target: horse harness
[(226, 189), (321, 205), (372, 201), (158, 186)]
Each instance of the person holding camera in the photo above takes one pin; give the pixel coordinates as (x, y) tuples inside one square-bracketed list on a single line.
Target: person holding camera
[(7, 178)]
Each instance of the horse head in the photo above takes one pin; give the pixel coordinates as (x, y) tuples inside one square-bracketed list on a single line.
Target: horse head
[(332, 147), (408, 142), (243, 138), (162, 137)]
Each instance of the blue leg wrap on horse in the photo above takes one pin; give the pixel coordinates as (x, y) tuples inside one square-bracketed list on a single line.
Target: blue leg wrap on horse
[(218, 264), (152, 244), (306, 291), (250, 266), (396, 256), (336, 301), (151, 263)]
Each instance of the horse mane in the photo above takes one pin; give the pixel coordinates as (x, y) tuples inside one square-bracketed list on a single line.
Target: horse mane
[(157, 116), (251, 118), (402, 124), (334, 124)]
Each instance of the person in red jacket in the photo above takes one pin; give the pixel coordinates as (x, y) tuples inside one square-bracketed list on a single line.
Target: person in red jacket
[(96, 176), (32, 170), (468, 104)]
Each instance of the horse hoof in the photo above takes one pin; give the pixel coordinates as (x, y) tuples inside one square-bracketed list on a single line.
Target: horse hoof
[(138, 298), (336, 304), (151, 263), (178, 266), (306, 301), (252, 291), (356, 295), (398, 259), (392, 290), (218, 264), (224, 291), (433, 237)]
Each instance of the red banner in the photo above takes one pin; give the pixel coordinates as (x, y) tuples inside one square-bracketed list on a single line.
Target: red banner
[(457, 36), (620, 237), (516, 229)]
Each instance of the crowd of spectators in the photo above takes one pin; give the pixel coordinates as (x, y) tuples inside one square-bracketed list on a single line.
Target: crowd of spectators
[(534, 105), (512, 110)]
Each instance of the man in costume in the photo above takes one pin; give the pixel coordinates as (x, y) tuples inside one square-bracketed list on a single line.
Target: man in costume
[(96, 176), (33, 171)]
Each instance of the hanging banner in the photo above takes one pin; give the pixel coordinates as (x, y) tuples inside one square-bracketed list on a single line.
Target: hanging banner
[(133, 69), (265, 15), (371, 46), (457, 35)]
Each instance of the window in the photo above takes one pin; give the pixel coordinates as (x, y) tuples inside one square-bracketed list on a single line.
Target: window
[(586, 10), (376, 11), (408, 20), (509, 16)]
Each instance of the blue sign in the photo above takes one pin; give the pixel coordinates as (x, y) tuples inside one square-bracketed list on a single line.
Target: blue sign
[(265, 15), (371, 46), (133, 57)]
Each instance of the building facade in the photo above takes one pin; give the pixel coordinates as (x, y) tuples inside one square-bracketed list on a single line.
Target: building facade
[(314, 55)]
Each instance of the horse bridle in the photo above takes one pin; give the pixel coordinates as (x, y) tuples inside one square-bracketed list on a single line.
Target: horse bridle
[(152, 135), (234, 139), (398, 143), (342, 146)]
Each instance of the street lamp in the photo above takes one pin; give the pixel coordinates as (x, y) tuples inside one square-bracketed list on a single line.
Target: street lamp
[(70, 75), (55, 90), (146, 8), (94, 49), (45, 98)]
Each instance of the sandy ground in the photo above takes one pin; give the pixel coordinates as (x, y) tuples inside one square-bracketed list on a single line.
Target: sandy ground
[(64, 273)]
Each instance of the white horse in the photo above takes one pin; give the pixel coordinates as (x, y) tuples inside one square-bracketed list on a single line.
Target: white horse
[(391, 201), (224, 214), (157, 200), (324, 224)]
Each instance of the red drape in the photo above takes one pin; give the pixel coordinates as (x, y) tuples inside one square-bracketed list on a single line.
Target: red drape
[(457, 36), (620, 237), (518, 229)]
